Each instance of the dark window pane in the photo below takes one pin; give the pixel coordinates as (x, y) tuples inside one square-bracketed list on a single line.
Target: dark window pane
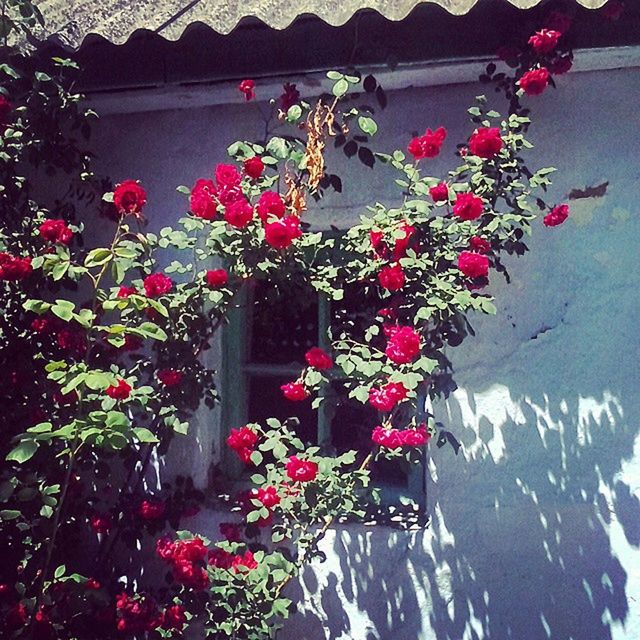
[(266, 401), (284, 324)]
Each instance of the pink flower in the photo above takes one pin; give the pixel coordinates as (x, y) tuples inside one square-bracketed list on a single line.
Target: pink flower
[(485, 142), (216, 278), (129, 198), (428, 145), (535, 81), (387, 397), (294, 391), (556, 216), (301, 470), (391, 277), (318, 359), (203, 199), (170, 377), (247, 87), (468, 206), (473, 265), (119, 391), (55, 231), (439, 193), (157, 284), (403, 345), (238, 213), (254, 167), (544, 41)]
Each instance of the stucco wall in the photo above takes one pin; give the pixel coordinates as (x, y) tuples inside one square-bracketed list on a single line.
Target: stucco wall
[(535, 528)]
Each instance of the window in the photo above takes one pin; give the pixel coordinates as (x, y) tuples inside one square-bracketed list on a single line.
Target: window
[(264, 346)]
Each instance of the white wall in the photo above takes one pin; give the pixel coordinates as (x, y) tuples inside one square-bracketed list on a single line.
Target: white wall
[(536, 528)]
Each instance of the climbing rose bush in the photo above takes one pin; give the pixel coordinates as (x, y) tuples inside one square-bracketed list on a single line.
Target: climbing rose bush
[(116, 333)]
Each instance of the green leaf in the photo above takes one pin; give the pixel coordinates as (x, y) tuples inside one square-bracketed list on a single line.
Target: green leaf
[(340, 88), (59, 572), (9, 514), (368, 125), (334, 75), (144, 435), (98, 257), (63, 309), (23, 451), (37, 306)]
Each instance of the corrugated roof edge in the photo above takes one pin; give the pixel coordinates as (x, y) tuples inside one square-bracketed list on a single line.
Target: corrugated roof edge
[(70, 43)]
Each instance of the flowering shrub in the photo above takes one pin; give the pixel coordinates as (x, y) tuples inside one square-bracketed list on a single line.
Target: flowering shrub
[(114, 344)]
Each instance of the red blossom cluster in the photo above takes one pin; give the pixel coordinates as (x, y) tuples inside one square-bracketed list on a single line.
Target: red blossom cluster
[(428, 145), (385, 398), (400, 244), (55, 231), (187, 559), (247, 88), (318, 359), (294, 391), (13, 267), (222, 559), (556, 216), (156, 285), (151, 509), (403, 344), (243, 441), (391, 277), (216, 278), (119, 391), (485, 142), (129, 197), (473, 265), (301, 470), (468, 206), (397, 438), (170, 377), (137, 614), (439, 193)]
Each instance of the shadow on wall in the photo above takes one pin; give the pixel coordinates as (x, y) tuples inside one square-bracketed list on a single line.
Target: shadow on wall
[(524, 542)]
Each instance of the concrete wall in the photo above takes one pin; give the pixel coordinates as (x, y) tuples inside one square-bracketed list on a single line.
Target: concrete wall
[(535, 529)]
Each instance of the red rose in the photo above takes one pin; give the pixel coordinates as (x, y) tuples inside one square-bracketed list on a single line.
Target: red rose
[(243, 441), (217, 278), (613, 10), (480, 245), (562, 65), (268, 496), (157, 284), (403, 345), (246, 561), (318, 359), (129, 197), (428, 145), (101, 522), (290, 96), (485, 142), (271, 205), (468, 206), (395, 439), (170, 377), (534, 82), (387, 397), (92, 584), (281, 233), (42, 325), (248, 88), (301, 470), (125, 292), (119, 391), (473, 265), (544, 41), (239, 213), (376, 238), (402, 243), (439, 193), (391, 277), (294, 391), (152, 509), (202, 200), (55, 231), (5, 109), (174, 617), (13, 267), (254, 167), (227, 175), (558, 21), (556, 216)]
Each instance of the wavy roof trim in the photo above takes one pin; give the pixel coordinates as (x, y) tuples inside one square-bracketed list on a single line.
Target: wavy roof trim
[(70, 21)]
